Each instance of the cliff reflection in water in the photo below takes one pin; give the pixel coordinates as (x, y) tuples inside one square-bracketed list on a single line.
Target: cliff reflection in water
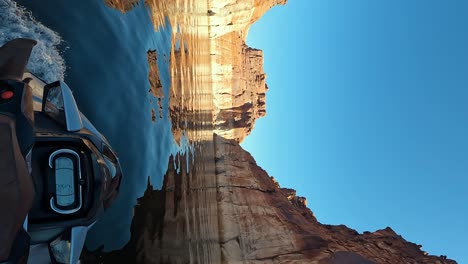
[(178, 224)]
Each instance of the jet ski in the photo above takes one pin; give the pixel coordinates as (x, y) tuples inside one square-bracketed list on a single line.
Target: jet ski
[(58, 173)]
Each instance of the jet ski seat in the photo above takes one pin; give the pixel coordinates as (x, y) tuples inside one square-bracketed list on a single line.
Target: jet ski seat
[(15, 183)]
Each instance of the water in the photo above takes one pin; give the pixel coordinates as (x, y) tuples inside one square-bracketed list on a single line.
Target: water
[(107, 69), (45, 61)]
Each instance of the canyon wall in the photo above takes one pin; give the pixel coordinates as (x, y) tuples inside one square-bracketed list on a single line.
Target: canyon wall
[(232, 211), (263, 223)]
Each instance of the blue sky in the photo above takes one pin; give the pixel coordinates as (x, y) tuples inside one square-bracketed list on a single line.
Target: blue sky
[(367, 114)]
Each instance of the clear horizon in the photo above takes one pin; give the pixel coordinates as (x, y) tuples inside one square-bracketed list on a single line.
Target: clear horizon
[(367, 114)]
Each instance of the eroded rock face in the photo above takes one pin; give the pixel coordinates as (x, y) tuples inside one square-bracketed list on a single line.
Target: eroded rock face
[(238, 78), (228, 16), (240, 97), (239, 81), (273, 225), (235, 212)]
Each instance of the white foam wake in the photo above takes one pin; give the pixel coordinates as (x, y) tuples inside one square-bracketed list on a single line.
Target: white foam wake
[(16, 22)]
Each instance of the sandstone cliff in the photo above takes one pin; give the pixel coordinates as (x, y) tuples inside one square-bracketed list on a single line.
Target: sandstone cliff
[(234, 212), (263, 223), (239, 81), (237, 78), (240, 91)]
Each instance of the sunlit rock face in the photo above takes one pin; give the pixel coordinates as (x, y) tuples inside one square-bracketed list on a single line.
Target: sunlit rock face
[(228, 16), (240, 91), (239, 81)]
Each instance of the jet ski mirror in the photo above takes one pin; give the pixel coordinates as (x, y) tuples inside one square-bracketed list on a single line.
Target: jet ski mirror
[(59, 104)]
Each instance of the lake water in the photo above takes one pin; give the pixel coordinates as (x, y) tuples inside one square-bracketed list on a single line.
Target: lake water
[(103, 58)]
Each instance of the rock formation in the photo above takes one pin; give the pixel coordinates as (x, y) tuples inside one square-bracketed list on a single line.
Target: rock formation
[(122, 5), (239, 82), (263, 223), (235, 212), (156, 88), (228, 16)]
